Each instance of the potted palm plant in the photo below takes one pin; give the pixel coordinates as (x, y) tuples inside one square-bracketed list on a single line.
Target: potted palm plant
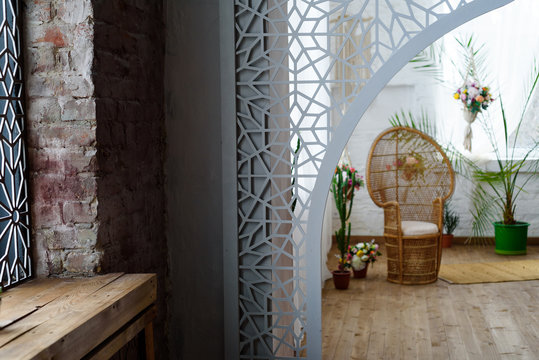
[(497, 191), (345, 181), (451, 221)]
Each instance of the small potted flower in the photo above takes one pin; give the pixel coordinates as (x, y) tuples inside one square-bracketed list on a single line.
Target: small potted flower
[(451, 221), (361, 255), (345, 181)]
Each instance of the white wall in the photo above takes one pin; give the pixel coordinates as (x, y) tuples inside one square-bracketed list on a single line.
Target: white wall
[(411, 91)]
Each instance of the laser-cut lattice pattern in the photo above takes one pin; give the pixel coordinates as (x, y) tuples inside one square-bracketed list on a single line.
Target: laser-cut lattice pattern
[(299, 65), (15, 264)]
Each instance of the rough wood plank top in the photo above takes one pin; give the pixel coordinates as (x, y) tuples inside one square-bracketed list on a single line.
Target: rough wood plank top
[(67, 318)]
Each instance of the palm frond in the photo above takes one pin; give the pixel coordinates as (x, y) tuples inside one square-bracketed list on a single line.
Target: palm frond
[(532, 167), (421, 123), (429, 60), (474, 59), (485, 206), (502, 184), (461, 164)]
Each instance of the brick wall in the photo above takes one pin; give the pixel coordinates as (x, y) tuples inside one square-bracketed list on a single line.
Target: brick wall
[(95, 117), (128, 75), (61, 125)]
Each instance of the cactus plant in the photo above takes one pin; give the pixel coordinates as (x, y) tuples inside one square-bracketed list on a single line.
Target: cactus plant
[(345, 181)]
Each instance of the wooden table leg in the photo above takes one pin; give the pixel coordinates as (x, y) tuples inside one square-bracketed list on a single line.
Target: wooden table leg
[(148, 332)]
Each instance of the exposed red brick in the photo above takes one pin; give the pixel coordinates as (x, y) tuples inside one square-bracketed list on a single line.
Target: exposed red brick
[(81, 262), (46, 215), (74, 212), (54, 36), (95, 137)]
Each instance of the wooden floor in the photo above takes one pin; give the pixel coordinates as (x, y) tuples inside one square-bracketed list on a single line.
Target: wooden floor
[(375, 319)]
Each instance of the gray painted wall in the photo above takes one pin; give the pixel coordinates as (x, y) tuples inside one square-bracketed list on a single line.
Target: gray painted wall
[(193, 179)]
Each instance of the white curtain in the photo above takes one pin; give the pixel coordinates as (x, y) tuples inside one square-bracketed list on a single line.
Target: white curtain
[(511, 43), (327, 229)]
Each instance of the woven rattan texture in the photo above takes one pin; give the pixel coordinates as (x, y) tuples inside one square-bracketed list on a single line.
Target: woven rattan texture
[(410, 177)]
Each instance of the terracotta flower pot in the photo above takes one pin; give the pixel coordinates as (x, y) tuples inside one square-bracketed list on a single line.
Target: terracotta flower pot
[(447, 240), (359, 274), (341, 279)]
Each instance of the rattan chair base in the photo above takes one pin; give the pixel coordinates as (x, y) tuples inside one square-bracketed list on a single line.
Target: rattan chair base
[(420, 264), (415, 282)]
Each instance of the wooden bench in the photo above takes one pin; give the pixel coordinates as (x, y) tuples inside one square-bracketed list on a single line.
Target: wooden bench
[(81, 318)]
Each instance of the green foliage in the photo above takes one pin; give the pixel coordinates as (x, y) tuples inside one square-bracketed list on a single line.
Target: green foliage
[(451, 219), (461, 164), (429, 60), (421, 123), (470, 64), (473, 64), (497, 190)]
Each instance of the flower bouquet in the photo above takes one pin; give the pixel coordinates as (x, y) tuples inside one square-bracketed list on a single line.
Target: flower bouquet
[(411, 166), (474, 97), (361, 255)]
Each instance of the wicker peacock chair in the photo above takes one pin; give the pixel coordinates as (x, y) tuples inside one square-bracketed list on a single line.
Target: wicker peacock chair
[(410, 177)]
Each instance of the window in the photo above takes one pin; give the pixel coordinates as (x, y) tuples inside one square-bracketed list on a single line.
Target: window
[(15, 263)]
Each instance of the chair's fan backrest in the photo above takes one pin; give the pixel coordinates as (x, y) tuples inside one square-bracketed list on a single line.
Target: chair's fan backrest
[(408, 167)]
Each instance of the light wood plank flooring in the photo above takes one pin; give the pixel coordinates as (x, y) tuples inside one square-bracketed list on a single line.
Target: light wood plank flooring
[(375, 319)]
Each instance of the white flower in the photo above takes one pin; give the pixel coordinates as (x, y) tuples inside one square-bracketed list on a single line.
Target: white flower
[(357, 263), (473, 92), (410, 160), (364, 258)]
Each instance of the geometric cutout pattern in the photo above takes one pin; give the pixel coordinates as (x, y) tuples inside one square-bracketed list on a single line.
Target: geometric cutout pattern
[(15, 262), (299, 66)]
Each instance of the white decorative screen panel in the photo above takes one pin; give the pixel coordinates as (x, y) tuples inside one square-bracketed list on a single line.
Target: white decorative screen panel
[(302, 67), (15, 264)]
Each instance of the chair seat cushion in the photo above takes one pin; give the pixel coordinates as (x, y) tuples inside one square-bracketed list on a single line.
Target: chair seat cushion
[(415, 228)]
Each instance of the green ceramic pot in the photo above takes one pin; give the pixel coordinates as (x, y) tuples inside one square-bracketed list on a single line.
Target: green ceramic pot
[(511, 239)]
